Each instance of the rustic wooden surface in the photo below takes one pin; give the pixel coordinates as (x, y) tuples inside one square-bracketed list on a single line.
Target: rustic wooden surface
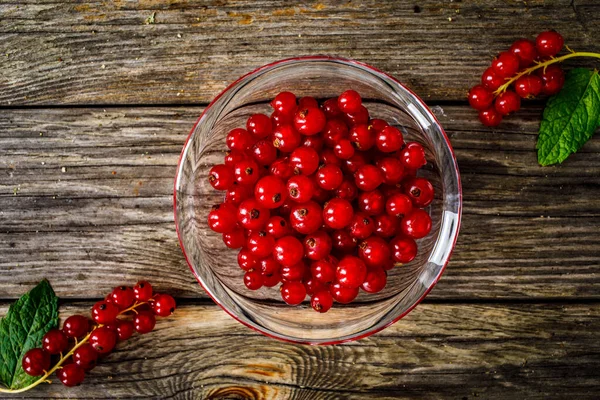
[(95, 105)]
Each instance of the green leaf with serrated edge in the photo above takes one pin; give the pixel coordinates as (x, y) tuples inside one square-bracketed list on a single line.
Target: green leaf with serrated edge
[(570, 117), (22, 329)]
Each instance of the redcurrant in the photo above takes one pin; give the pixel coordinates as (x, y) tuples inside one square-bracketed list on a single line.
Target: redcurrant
[(239, 139), (103, 339), (368, 177), (234, 239), (304, 160), (404, 249), (293, 293), (284, 102), (222, 218), (142, 291), (317, 245), (356, 161), (246, 172), (362, 137), (309, 121), (334, 131), (361, 226), (389, 139), (347, 190), (277, 227), (259, 125), (361, 117), (491, 80), (506, 64), (104, 312), (36, 362), (480, 98), (268, 266), (385, 225), (372, 203), (246, 260), (507, 102), (282, 168), (553, 79), (123, 297), (344, 149), (71, 375), (331, 109), (420, 191), (306, 218), (398, 205), (490, 117), (374, 251), (124, 329), (549, 43), (270, 192), (375, 280), (342, 294), (337, 213), (252, 215), (144, 322), (300, 188), (528, 86), (286, 138), (221, 177), (315, 142), (76, 326), (323, 270), (351, 272), (349, 101), (417, 224), (329, 177), (85, 356), (525, 50), (260, 244), (378, 124), (413, 156), (321, 301), (233, 157), (264, 152), (238, 193), (163, 305), (55, 341), (293, 272), (253, 280), (343, 241), (288, 251)]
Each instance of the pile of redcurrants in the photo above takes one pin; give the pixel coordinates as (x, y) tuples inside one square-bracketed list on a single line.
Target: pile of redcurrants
[(320, 198), (494, 101), (137, 305)]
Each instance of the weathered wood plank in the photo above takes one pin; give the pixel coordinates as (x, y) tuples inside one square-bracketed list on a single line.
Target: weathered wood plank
[(104, 53), (450, 351), (527, 231)]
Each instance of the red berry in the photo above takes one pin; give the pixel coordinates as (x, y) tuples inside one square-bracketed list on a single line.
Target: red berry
[(362, 137), (491, 80), (278, 119), (389, 139), (124, 329), (300, 188), (71, 375), (323, 270), (349, 101), (385, 225), (239, 139), (238, 193), (123, 297), (163, 305), (309, 121), (103, 339), (55, 341), (351, 272), (259, 125), (361, 226), (307, 101), (378, 124), (264, 152), (277, 227), (144, 322), (253, 280), (270, 192), (355, 162), (268, 266), (104, 312), (329, 177), (222, 218), (293, 272), (317, 245), (246, 260), (233, 157), (368, 177), (490, 117), (398, 205), (246, 172), (331, 109), (374, 251), (36, 362), (234, 239), (221, 177), (347, 190), (286, 138), (343, 294), (361, 117), (288, 251), (375, 281), (417, 224), (315, 142), (344, 149), (304, 160), (327, 156), (343, 241), (76, 326), (337, 213), (392, 168), (528, 86), (553, 79), (306, 218), (252, 215), (85, 356), (142, 291), (284, 102), (480, 98), (372, 203), (507, 102), (420, 191), (260, 244), (272, 280), (321, 301), (282, 168), (525, 50), (293, 293), (321, 195), (506, 64), (334, 131), (549, 43), (413, 156)]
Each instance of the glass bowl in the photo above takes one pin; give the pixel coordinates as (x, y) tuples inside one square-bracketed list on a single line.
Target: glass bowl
[(215, 266)]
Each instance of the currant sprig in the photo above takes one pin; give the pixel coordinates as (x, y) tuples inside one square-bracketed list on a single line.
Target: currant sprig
[(530, 68), (139, 307)]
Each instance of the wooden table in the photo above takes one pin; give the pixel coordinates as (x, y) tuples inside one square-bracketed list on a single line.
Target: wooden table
[(96, 104)]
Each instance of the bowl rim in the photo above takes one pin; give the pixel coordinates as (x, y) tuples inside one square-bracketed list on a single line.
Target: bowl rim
[(459, 197)]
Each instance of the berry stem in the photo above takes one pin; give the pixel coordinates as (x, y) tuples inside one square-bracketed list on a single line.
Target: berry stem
[(544, 64), (63, 358)]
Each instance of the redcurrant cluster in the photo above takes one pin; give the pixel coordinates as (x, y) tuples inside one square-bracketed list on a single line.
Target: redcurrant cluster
[(138, 307), (493, 98), (320, 198)]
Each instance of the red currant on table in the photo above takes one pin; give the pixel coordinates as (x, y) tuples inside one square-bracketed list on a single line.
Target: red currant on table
[(270, 192), (306, 218), (268, 266), (372, 203), (232, 157), (317, 245), (123, 297), (361, 226), (284, 102), (85, 356), (553, 79), (507, 102), (246, 260), (389, 139), (288, 251), (144, 322), (124, 329), (506, 64), (221, 177), (163, 305), (142, 291), (398, 205), (286, 138), (238, 193), (525, 50), (490, 117), (253, 280), (222, 218), (344, 149), (528, 86), (103, 339), (252, 215), (347, 190), (329, 177), (323, 270), (304, 160), (239, 139), (282, 168), (360, 117), (264, 152), (260, 244), (331, 109), (420, 191), (378, 124), (246, 172), (362, 137), (294, 272), (315, 142), (349, 101), (309, 121), (385, 225), (321, 301), (334, 131), (234, 239), (259, 125), (338, 213), (356, 161), (549, 43), (375, 280), (277, 227), (342, 294), (36, 362), (368, 177), (71, 375), (491, 80), (300, 188), (307, 101), (272, 280), (55, 341), (278, 119), (413, 156), (313, 286), (480, 98), (104, 312), (76, 326), (293, 293), (374, 251), (351, 272), (417, 224)]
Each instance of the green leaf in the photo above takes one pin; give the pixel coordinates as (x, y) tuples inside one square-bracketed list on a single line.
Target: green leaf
[(570, 117), (22, 329)]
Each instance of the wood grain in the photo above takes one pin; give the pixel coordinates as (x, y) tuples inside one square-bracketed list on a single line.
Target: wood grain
[(438, 351), (102, 52), (107, 219)]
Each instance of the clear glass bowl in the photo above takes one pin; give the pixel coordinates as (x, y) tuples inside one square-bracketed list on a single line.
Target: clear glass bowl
[(215, 266)]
